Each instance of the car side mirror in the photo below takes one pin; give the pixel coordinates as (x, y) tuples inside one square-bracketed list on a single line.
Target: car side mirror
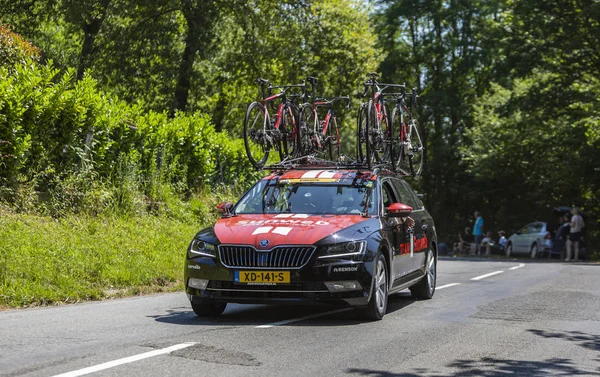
[(399, 210), (225, 209), (518, 232)]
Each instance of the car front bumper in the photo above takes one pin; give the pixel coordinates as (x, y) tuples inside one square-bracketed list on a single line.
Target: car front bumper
[(307, 286)]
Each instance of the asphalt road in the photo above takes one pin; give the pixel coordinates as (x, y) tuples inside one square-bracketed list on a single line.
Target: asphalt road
[(531, 319)]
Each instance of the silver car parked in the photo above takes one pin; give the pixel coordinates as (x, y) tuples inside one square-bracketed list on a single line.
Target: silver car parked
[(532, 239)]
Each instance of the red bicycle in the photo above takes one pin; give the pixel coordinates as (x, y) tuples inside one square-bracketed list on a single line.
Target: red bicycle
[(320, 137), (373, 131), (263, 133), (407, 149)]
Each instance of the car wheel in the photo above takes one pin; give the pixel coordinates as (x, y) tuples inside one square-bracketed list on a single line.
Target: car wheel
[(206, 308), (509, 249), (534, 251), (377, 305), (425, 288)]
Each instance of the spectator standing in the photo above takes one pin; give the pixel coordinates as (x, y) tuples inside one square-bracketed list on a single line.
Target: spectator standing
[(478, 229), (576, 225)]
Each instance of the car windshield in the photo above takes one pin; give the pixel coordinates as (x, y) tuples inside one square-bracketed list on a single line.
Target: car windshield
[(307, 198)]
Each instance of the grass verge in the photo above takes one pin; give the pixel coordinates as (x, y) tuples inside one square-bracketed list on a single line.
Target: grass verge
[(46, 261)]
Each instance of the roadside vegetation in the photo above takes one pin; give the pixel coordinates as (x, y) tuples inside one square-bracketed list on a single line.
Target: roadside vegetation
[(122, 114)]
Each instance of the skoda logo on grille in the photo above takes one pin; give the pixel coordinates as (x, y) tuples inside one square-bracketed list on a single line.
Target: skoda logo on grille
[(264, 243)]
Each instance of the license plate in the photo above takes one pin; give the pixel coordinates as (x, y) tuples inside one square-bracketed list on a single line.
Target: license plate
[(262, 277)]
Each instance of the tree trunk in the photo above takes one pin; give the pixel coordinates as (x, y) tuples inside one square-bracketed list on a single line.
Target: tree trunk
[(90, 31), (200, 16)]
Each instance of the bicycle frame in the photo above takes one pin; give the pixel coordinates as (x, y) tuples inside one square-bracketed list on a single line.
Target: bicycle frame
[(283, 106)]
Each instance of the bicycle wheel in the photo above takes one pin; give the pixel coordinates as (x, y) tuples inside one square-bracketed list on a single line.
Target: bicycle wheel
[(378, 133), (335, 142), (363, 152), (306, 126), (288, 131), (415, 149), (398, 156), (256, 138)]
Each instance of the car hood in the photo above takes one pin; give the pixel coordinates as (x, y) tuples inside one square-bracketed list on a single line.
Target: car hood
[(267, 231)]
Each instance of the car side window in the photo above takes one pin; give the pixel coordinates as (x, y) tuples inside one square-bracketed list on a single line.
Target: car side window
[(387, 194), (405, 194), (537, 227), (526, 229)]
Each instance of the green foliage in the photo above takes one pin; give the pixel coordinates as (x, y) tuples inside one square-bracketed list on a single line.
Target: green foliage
[(71, 143)]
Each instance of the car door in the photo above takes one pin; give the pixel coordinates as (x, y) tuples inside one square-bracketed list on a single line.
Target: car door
[(403, 195), (535, 235), (422, 220), (402, 263), (520, 241)]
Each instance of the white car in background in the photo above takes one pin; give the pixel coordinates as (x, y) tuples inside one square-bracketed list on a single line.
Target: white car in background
[(532, 239)]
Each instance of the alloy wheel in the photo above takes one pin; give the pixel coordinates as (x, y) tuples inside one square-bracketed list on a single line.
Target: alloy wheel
[(381, 287)]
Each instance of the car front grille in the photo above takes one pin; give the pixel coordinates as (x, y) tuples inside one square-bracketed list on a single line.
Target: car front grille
[(278, 257)]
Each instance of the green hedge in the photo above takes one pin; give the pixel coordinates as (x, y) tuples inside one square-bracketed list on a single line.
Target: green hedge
[(61, 138)]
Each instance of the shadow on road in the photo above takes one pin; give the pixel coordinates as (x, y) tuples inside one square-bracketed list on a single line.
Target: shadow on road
[(490, 367), (254, 315), (585, 340)]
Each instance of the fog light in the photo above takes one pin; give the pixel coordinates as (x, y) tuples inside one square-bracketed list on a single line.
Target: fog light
[(341, 286), (197, 283)]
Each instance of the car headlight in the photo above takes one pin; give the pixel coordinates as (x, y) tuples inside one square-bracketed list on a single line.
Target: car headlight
[(343, 250), (200, 248)]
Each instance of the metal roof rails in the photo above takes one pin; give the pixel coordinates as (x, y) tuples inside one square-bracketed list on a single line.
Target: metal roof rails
[(311, 162)]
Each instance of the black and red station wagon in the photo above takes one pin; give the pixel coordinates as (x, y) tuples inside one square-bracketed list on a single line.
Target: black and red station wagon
[(315, 235)]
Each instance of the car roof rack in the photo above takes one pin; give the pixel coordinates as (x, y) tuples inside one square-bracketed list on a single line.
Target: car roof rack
[(311, 162)]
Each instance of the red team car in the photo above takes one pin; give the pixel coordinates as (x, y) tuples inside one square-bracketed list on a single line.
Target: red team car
[(340, 237)]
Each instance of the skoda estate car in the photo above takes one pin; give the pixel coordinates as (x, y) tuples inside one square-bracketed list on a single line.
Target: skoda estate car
[(339, 237)]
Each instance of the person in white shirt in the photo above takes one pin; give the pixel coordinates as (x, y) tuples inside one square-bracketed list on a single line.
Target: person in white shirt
[(502, 241), (487, 242), (577, 225)]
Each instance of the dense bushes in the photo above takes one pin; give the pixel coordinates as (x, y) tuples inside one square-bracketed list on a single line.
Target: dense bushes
[(73, 146)]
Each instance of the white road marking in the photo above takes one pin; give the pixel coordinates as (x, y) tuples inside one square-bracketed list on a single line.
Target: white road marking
[(125, 360), (519, 266), (301, 318), (446, 286), (487, 275)]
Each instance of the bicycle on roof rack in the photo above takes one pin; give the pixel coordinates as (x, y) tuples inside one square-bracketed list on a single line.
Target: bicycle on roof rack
[(263, 133), (319, 137), (376, 139), (407, 148)]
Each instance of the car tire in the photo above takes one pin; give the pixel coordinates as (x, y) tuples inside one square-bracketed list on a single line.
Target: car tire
[(509, 249), (377, 306), (206, 308), (533, 253), (425, 288)]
